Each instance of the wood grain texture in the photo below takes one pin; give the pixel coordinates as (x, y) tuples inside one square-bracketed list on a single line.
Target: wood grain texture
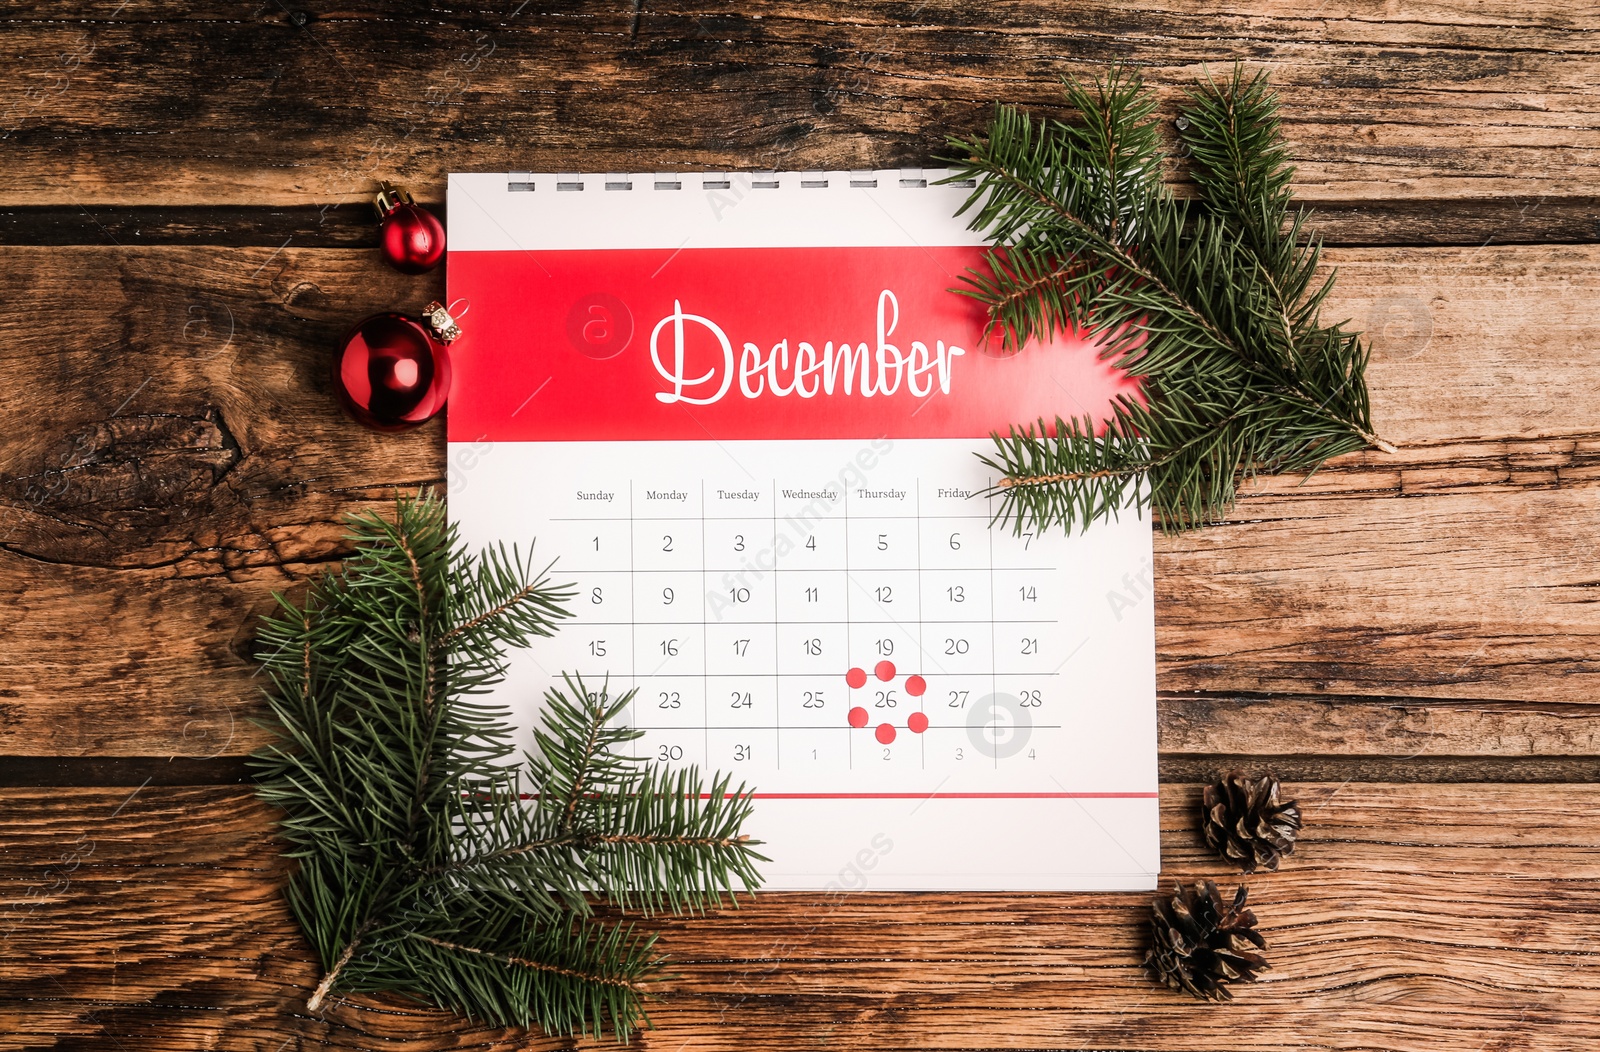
[(1423, 918), (207, 104), (1466, 221), (184, 210), (188, 459)]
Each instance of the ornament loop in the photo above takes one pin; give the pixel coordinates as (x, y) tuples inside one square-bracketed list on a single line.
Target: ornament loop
[(390, 197), (440, 321)]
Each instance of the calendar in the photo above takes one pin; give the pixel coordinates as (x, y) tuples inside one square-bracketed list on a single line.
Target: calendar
[(742, 413)]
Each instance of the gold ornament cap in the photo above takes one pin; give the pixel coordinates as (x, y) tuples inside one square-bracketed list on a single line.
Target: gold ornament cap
[(440, 321), (390, 197)]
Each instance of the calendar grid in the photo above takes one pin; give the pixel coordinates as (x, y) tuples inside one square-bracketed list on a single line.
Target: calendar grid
[(749, 727), (810, 675), (922, 653), (705, 643), (840, 621), (994, 657), (633, 716), (777, 683), (850, 739), (789, 651), (644, 620), (890, 569)]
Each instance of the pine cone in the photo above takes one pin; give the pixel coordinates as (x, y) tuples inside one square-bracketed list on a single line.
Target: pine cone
[(1200, 944), (1245, 823)]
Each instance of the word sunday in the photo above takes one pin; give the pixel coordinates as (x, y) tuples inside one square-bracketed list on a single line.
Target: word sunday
[(867, 369)]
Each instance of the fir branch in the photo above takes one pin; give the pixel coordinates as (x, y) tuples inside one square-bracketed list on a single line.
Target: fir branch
[(498, 610), (537, 966), (429, 677), (672, 841), (1014, 481), (305, 681), (567, 977), (1017, 282), (314, 1002), (589, 752), (423, 866), (1211, 304)]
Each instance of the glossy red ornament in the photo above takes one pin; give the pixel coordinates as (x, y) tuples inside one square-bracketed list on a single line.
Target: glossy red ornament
[(410, 237), (392, 372)]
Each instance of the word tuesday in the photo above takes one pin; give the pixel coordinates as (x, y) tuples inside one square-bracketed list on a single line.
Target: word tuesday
[(871, 371)]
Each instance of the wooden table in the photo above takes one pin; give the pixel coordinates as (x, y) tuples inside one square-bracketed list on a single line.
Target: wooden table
[(1412, 641)]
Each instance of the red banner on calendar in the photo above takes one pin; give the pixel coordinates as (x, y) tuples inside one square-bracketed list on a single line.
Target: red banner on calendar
[(747, 343)]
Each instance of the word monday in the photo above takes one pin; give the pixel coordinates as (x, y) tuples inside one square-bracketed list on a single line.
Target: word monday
[(870, 371)]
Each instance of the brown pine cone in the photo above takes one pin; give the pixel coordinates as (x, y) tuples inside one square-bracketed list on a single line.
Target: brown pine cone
[(1200, 943), (1245, 824)]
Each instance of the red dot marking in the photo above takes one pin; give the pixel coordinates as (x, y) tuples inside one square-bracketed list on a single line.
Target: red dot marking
[(885, 733), (856, 677), (858, 717), (885, 670), (916, 686), (918, 722)]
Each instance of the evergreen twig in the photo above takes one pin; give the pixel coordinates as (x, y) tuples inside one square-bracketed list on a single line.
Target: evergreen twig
[(430, 863), (1212, 304)]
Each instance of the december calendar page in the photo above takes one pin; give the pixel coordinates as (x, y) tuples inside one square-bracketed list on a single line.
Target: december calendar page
[(741, 413)]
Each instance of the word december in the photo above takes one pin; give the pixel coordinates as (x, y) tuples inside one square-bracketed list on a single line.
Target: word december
[(880, 370)]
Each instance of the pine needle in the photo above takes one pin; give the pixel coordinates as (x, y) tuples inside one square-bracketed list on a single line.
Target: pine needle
[(1213, 305), (430, 861)]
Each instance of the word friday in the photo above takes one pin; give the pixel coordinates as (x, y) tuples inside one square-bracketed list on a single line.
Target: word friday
[(870, 371)]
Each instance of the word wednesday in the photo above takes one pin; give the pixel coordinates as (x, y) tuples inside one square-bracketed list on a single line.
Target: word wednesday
[(880, 370)]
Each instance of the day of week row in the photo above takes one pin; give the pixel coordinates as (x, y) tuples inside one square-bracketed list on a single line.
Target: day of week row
[(681, 496), (827, 494)]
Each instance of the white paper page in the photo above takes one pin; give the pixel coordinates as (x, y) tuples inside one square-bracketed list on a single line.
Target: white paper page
[(919, 701)]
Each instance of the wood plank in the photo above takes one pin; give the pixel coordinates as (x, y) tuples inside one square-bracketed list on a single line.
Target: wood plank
[(1458, 334), (205, 350), (172, 103), (1346, 767), (164, 496), (1552, 766), (1394, 598), (1451, 596), (1468, 221), (1411, 918), (1352, 726)]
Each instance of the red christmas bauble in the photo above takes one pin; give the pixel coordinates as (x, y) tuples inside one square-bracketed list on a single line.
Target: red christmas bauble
[(411, 239), (391, 373)]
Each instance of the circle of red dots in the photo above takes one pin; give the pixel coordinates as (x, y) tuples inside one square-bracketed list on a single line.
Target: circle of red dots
[(858, 717), (884, 671), (918, 722), (916, 686), (884, 733), (856, 677)]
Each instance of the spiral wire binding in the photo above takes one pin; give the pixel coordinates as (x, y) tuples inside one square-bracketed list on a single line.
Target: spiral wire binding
[(579, 182)]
